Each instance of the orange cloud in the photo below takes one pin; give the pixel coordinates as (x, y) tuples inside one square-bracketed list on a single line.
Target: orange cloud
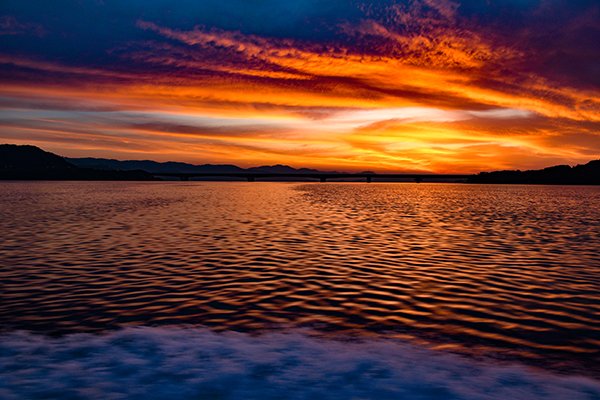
[(441, 98)]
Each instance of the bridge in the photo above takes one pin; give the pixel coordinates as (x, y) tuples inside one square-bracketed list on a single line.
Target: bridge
[(322, 177)]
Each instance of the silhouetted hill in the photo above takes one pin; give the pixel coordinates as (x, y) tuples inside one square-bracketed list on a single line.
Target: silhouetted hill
[(151, 166), (18, 158), (179, 167), (587, 174), (30, 162)]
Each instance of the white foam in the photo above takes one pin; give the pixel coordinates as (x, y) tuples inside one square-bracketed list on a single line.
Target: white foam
[(174, 363)]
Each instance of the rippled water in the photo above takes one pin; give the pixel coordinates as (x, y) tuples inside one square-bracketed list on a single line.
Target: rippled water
[(503, 271)]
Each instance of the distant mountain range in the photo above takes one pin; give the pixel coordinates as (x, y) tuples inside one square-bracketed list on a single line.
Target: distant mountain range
[(179, 167), (30, 162), (33, 163)]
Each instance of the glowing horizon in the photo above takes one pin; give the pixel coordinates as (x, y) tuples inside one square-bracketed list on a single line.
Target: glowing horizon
[(429, 85)]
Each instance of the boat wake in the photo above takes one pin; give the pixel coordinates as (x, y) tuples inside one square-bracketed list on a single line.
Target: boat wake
[(156, 363)]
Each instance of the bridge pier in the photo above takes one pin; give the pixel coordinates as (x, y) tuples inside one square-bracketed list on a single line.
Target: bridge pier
[(322, 179)]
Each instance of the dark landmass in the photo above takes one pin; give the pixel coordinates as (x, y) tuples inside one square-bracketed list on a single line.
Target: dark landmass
[(184, 168), (153, 166), (32, 163), (587, 174)]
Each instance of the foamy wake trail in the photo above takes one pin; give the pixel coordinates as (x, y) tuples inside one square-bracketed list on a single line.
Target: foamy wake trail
[(176, 363)]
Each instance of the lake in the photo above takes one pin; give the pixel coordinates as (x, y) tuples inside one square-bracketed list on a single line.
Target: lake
[(484, 278)]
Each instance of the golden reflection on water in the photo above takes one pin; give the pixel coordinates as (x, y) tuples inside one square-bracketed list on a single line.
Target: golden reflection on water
[(509, 269)]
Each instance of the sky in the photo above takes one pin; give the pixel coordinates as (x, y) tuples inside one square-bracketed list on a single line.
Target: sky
[(421, 85)]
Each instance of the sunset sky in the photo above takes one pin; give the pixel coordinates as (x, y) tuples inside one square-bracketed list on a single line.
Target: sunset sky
[(421, 85)]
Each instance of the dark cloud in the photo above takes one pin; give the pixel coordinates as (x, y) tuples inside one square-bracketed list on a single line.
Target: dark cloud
[(557, 40), (206, 130), (9, 25)]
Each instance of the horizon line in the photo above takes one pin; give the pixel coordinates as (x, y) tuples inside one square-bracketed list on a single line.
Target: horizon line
[(335, 171)]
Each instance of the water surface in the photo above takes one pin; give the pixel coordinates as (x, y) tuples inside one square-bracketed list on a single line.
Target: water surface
[(511, 272)]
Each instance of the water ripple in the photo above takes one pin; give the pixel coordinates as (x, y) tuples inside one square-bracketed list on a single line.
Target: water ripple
[(509, 271)]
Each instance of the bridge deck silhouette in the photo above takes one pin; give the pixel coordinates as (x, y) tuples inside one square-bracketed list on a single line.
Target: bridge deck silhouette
[(322, 177)]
